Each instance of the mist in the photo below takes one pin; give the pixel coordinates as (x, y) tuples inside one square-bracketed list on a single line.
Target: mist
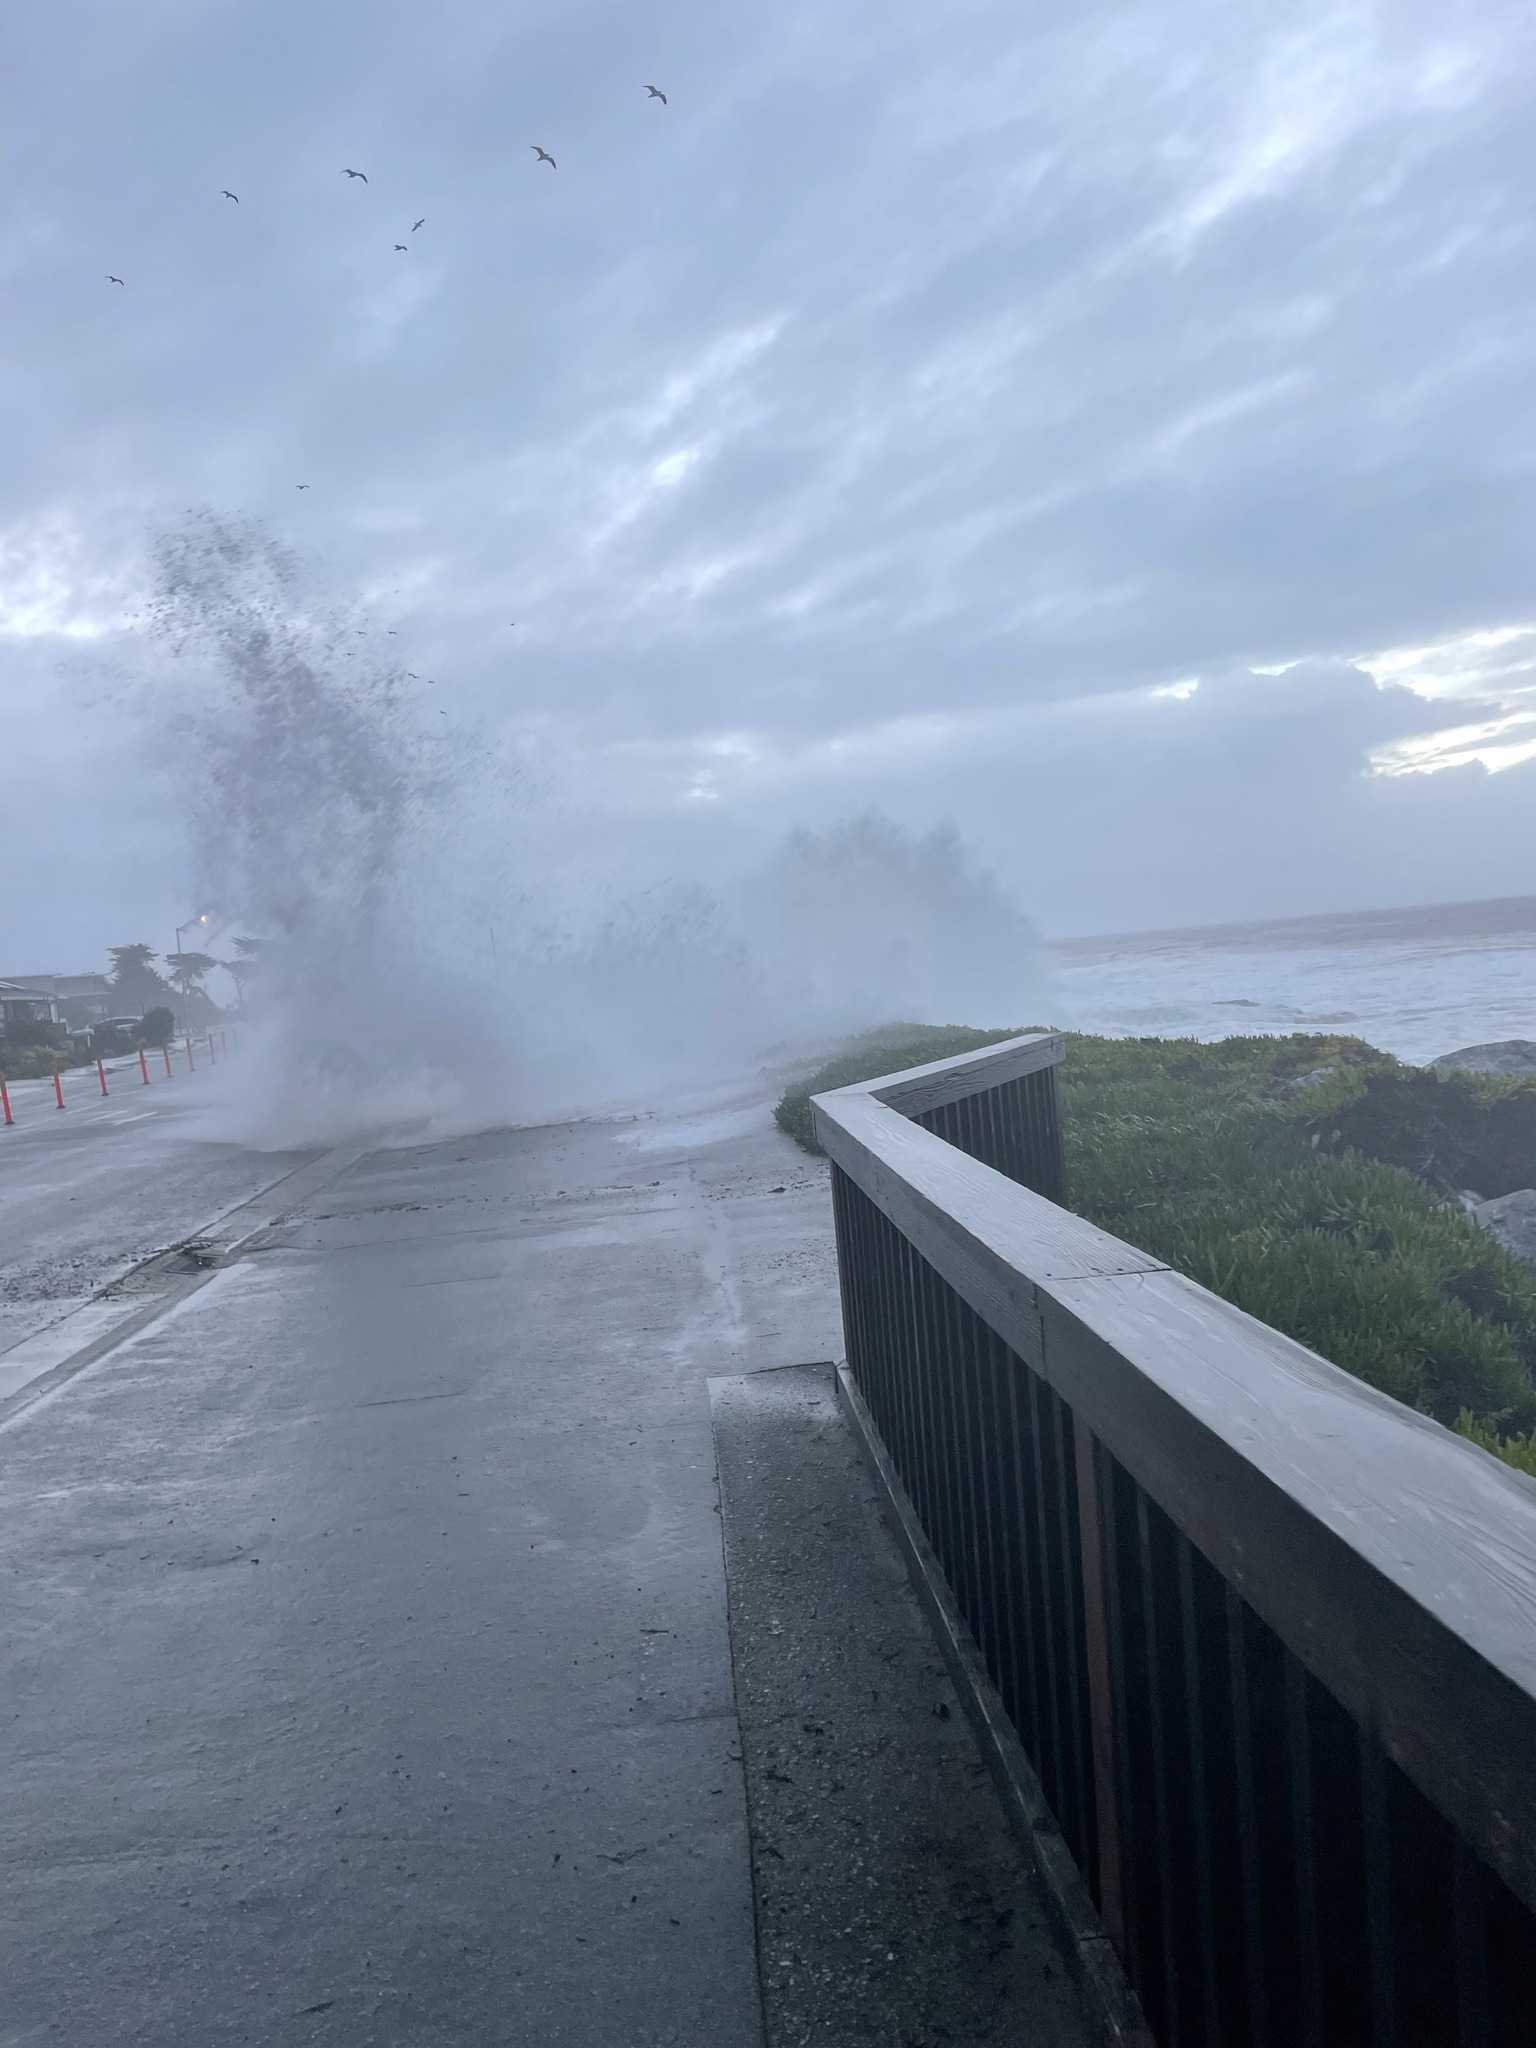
[(429, 963)]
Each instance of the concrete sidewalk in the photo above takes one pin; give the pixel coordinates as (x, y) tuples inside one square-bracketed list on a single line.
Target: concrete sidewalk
[(366, 1666)]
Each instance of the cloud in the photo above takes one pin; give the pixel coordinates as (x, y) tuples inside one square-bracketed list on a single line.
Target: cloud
[(890, 416)]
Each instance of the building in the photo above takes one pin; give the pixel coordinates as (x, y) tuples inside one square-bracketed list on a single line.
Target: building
[(20, 1005), (81, 999)]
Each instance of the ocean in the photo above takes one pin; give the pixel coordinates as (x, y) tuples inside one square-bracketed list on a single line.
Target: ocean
[(1414, 982)]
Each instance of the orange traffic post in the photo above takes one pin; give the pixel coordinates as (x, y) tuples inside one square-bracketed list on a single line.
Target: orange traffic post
[(144, 1065), (5, 1103), (101, 1074), (191, 1063), (58, 1087), (170, 1071)]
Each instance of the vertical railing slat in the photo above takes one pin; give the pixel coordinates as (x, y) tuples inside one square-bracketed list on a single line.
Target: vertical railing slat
[(1308, 1956), (1194, 1736), (1106, 1792), (1157, 1735), (1472, 2027), (1054, 1757), (1249, 1859), (1377, 1843)]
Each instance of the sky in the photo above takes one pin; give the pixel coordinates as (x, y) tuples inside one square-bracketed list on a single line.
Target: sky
[(1108, 429)]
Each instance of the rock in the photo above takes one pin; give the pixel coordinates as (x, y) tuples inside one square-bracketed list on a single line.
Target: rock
[(1298, 1084), (1515, 1057), (1512, 1220)]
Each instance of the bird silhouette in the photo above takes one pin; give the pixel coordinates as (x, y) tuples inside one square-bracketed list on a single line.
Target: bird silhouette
[(113, 280), (411, 676), (227, 194), (415, 224), (356, 174), (656, 93), (391, 633), (404, 248), (301, 487), (543, 155)]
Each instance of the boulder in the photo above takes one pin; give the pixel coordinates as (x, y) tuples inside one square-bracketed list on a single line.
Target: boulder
[(1298, 1084), (1513, 1057), (1512, 1220)]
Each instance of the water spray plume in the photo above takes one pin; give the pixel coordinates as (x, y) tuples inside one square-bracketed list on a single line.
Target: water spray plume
[(371, 863)]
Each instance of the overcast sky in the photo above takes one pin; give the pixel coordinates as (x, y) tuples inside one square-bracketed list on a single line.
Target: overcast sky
[(970, 409)]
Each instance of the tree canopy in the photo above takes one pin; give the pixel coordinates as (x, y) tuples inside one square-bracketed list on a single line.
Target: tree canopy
[(135, 977), (189, 969)]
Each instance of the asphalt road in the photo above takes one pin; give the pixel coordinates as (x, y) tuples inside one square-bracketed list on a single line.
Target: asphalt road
[(365, 1654), (90, 1191)]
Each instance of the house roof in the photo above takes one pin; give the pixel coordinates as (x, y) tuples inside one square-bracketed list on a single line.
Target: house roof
[(60, 984)]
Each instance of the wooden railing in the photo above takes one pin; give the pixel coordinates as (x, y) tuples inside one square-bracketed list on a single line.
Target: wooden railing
[(1267, 1637)]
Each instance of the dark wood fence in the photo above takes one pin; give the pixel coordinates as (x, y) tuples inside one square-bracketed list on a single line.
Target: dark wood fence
[(1267, 1637)]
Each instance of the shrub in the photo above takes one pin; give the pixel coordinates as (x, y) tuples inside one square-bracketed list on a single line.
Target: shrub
[(28, 1031), (37, 1062)]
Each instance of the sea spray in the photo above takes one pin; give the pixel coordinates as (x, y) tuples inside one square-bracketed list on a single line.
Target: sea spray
[(422, 967)]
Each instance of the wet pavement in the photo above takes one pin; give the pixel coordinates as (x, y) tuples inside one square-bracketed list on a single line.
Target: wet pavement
[(367, 1669), (892, 1901), (88, 1192)]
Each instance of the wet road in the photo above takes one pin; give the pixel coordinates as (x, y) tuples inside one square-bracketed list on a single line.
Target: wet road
[(89, 1192), (365, 1654)]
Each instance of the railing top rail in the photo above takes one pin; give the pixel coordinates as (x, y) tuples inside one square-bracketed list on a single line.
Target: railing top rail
[(917, 1089), (1395, 1559)]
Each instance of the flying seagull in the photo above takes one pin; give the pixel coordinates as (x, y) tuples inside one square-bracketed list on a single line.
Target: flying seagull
[(301, 487), (227, 194), (411, 676), (543, 156), (113, 280), (657, 94), (356, 174), (404, 248), (393, 635), (415, 224)]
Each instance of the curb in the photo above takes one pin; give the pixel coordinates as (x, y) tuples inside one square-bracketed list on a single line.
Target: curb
[(47, 1359), (1113, 2007)]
